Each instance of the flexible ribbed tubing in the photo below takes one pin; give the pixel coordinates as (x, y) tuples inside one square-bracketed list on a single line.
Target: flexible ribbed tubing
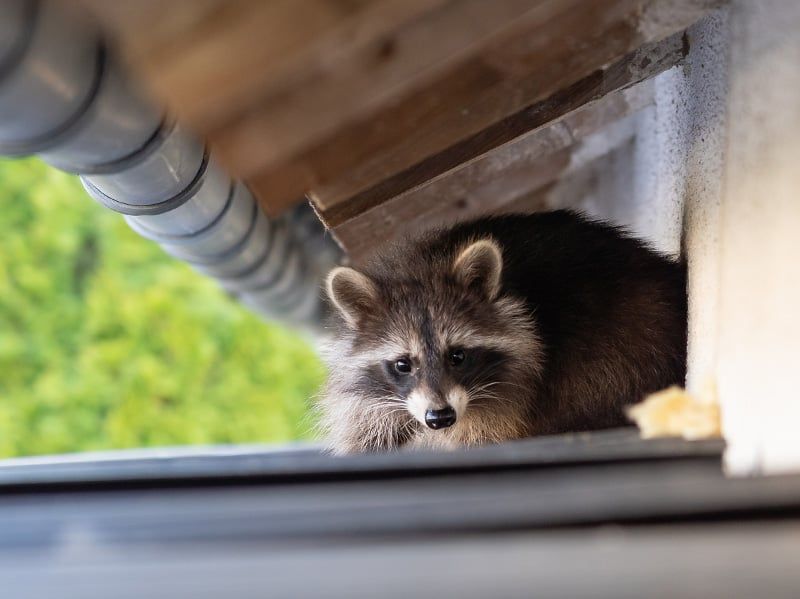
[(65, 98)]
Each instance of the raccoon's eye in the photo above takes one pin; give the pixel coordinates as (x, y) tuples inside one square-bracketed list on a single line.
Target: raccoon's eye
[(456, 357), (402, 366)]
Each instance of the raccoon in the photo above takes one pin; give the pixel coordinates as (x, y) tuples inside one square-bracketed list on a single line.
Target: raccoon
[(497, 329)]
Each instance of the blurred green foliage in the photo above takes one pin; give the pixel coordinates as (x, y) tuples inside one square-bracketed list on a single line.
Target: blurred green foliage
[(107, 342)]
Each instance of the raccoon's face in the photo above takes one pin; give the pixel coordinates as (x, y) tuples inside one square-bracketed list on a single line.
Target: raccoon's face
[(436, 386), (439, 359)]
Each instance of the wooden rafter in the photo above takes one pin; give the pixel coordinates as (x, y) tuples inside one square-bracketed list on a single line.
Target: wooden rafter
[(534, 131), (357, 102), (509, 179)]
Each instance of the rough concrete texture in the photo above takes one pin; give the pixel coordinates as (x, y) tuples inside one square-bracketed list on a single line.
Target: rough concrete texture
[(759, 298), (603, 180), (640, 178), (638, 172), (718, 154), (661, 16), (711, 171), (706, 85), (598, 178)]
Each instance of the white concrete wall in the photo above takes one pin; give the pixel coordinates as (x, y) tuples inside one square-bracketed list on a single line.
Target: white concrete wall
[(712, 171), (656, 159), (664, 182), (727, 148), (758, 320)]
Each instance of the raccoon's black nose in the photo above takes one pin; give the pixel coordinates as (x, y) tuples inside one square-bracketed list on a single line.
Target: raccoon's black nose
[(443, 418)]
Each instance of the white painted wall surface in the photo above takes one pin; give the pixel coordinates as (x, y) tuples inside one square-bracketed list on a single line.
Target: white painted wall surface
[(759, 291), (663, 180), (712, 171)]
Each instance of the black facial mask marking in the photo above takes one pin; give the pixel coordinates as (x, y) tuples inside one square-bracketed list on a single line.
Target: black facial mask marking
[(480, 366)]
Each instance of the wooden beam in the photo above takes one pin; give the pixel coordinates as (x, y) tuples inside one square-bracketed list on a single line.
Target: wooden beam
[(284, 73), (337, 95), (540, 58), (463, 156), (218, 61), (640, 65), (353, 82), (507, 179)]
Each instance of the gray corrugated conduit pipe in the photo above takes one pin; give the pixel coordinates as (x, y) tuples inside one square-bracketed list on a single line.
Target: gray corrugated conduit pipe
[(64, 97)]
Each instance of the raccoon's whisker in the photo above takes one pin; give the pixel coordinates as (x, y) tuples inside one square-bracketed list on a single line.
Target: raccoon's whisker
[(486, 394), (478, 390), (481, 399), (408, 427), (505, 384), (487, 401), (381, 404), (384, 410), (389, 400), (496, 383), (483, 387), (394, 412)]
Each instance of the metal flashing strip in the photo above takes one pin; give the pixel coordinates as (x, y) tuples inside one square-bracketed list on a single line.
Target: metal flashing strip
[(311, 463)]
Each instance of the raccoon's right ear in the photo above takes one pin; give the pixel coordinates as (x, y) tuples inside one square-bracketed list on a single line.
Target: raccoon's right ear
[(479, 265), (354, 294)]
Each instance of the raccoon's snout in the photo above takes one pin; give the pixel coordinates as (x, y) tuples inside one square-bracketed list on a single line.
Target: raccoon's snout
[(443, 418)]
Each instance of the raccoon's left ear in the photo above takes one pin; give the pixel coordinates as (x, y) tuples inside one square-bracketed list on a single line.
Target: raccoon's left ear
[(352, 293), (480, 265)]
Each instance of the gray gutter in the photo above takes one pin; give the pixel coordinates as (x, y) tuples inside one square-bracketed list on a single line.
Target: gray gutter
[(65, 97)]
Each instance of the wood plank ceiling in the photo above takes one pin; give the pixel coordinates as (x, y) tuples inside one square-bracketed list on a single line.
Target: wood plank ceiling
[(389, 113)]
